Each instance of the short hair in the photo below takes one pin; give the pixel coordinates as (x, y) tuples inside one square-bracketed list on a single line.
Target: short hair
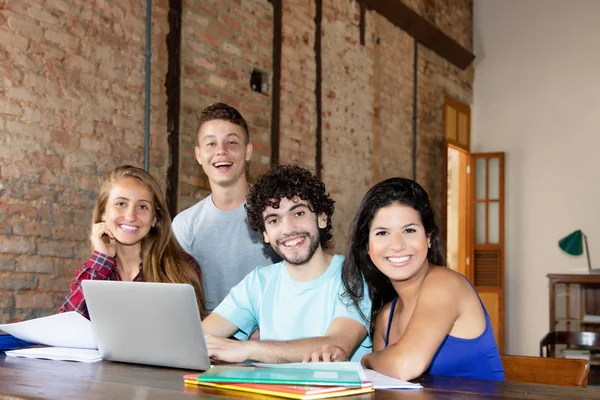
[(224, 112), (289, 181)]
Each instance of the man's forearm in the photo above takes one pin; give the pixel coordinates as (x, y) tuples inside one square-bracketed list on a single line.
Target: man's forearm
[(272, 351)]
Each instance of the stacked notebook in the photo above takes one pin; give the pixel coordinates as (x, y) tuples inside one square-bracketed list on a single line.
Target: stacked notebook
[(294, 381)]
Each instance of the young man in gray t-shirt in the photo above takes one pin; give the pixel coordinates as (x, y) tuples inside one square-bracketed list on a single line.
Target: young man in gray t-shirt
[(215, 231)]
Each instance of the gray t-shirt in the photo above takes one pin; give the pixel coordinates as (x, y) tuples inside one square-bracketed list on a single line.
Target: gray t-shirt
[(224, 246)]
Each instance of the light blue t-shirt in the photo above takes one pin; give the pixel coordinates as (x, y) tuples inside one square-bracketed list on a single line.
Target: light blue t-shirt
[(283, 309), (224, 246)]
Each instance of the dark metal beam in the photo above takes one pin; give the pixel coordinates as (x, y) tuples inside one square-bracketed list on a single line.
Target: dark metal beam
[(319, 88), (276, 92), (415, 106), (422, 30), (173, 88)]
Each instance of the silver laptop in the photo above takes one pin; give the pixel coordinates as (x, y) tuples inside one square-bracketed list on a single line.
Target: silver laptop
[(147, 323)]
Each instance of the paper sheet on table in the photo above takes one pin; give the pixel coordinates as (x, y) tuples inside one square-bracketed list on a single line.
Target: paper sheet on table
[(58, 353), (380, 381), (68, 329)]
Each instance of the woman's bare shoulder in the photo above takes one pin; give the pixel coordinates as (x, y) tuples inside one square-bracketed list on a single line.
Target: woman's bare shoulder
[(445, 276)]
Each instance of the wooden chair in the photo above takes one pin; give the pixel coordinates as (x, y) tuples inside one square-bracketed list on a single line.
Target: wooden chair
[(585, 340), (546, 370)]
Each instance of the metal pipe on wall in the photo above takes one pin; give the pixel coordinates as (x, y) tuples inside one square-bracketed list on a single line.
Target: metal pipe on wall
[(415, 107), (148, 55)]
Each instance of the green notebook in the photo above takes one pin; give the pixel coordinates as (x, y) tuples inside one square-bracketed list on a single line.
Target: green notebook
[(282, 376)]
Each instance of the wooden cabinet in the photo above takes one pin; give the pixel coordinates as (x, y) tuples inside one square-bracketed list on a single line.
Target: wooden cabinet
[(575, 307), (574, 302)]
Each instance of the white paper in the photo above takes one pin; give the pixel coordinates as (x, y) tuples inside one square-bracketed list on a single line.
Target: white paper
[(381, 381), (68, 329), (58, 353)]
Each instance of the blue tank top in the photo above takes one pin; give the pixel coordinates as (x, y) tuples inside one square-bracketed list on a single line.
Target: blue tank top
[(476, 358)]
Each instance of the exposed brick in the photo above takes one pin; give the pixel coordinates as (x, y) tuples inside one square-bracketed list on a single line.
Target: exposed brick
[(77, 62), (26, 129), (25, 27), (32, 115), (16, 245), (231, 49), (6, 263), (231, 23), (33, 300), (50, 284), (11, 40), (8, 107), (41, 84), (18, 93), (55, 248), (44, 16), (33, 228), (61, 38), (69, 7), (6, 300), (95, 145), (18, 282), (217, 81), (25, 62), (35, 264)]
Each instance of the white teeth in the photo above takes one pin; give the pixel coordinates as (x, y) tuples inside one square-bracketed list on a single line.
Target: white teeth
[(222, 164), (292, 242), (128, 227), (398, 259)]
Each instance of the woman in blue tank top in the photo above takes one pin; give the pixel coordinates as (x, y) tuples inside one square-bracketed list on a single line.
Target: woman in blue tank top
[(425, 318)]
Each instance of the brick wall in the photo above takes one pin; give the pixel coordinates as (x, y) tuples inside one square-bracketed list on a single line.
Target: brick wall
[(297, 117), (222, 42), (367, 99), (72, 97), (71, 108)]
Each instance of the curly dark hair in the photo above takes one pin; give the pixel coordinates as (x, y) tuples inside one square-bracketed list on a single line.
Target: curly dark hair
[(225, 112), (289, 181), (358, 265)]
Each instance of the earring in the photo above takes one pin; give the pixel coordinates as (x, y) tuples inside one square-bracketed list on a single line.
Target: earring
[(153, 224), (429, 245)]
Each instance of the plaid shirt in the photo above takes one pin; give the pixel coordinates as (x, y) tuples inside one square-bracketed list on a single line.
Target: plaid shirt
[(102, 267)]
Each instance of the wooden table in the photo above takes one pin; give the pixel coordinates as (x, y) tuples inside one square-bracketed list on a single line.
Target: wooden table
[(28, 378)]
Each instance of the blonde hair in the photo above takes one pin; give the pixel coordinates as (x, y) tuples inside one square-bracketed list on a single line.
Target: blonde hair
[(163, 259)]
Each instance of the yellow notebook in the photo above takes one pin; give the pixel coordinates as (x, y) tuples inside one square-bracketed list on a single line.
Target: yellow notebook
[(302, 392)]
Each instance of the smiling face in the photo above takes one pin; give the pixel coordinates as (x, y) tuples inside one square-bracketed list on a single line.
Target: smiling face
[(129, 211), (398, 243), (223, 152), (293, 230)]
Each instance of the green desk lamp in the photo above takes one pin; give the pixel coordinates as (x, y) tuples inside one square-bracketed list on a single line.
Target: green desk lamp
[(573, 244)]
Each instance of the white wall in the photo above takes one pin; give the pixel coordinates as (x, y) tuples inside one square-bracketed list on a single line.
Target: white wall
[(537, 98)]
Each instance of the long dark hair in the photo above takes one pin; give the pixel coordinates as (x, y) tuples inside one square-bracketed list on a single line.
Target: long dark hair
[(358, 265)]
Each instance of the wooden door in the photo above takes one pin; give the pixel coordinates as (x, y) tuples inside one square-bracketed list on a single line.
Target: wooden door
[(457, 206), (457, 124), (486, 247), (453, 225)]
